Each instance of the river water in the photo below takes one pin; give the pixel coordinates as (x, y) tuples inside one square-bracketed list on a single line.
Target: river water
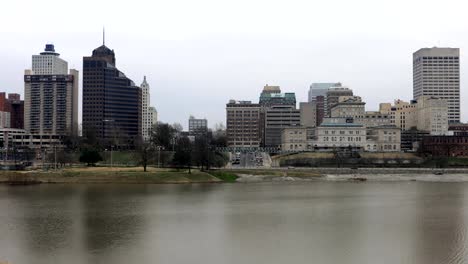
[(268, 222)]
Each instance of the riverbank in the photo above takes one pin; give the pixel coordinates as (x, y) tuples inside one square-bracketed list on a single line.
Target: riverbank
[(107, 175), (136, 175)]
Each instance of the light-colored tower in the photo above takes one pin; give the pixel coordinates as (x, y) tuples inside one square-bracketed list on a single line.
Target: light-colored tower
[(50, 96), (436, 72), (49, 62), (149, 113), (145, 102)]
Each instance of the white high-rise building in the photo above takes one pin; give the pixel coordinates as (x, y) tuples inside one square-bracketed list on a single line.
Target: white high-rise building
[(49, 62), (436, 72), (149, 113), (50, 96)]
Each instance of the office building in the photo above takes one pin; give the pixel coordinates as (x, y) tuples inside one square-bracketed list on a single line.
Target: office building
[(383, 139), (50, 96), (11, 111), (112, 104), (432, 115), (348, 106), (153, 115), (271, 95), (436, 72), (243, 124), (320, 109), (428, 113), (277, 118), (320, 89), (295, 139), (333, 96), (197, 126), (308, 112)]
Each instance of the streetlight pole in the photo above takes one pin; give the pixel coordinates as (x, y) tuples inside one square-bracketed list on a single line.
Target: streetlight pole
[(112, 163), (55, 156), (159, 156)]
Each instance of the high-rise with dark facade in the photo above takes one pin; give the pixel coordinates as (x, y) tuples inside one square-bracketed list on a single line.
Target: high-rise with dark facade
[(112, 108)]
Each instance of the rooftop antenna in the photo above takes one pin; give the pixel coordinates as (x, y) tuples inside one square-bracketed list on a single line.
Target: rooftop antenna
[(103, 36)]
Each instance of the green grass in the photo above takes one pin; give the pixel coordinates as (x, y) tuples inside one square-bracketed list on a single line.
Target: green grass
[(224, 176), (104, 176)]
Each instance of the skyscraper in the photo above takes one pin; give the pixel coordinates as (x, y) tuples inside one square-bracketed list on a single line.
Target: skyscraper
[(149, 114), (436, 72), (112, 108), (50, 95)]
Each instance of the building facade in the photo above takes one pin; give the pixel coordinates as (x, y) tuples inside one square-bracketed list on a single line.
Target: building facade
[(243, 124), (149, 115), (277, 118), (320, 109), (308, 114), (50, 96), (333, 97), (383, 139), (11, 111), (445, 146), (348, 106), (428, 113), (320, 89), (295, 139), (432, 115), (112, 104), (373, 119), (49, 62), (436, 72), (198, 126), (330, 136)]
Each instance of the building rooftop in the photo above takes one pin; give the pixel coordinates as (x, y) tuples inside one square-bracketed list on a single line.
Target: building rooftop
[(340, 125)]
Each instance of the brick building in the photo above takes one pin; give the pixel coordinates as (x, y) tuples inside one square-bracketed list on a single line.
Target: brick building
[(448, 146)]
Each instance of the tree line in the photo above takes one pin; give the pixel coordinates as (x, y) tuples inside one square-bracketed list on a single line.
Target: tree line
[(167, 145)]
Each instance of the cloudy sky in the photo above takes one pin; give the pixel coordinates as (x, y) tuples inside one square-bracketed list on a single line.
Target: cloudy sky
[(199, 54)]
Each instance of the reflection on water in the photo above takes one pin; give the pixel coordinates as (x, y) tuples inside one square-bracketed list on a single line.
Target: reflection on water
[(317, 222)]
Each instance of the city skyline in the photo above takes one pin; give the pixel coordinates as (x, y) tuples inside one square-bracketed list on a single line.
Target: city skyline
[(213, 63)]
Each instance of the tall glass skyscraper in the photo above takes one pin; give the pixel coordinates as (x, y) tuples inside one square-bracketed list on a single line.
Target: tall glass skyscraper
[(112, 109)]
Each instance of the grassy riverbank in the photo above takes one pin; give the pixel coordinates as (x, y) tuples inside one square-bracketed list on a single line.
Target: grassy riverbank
[(107, 175)]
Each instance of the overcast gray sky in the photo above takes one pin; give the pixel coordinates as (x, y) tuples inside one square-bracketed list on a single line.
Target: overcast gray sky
[(199, 54)]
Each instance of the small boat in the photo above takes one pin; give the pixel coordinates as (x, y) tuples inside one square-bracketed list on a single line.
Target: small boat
[(438, 173)]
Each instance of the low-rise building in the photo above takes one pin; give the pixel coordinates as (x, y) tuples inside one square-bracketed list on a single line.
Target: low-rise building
[(295, 139), (339, 133), (20, 138), (411, 139), (446, 146), (383, 139), (458, 129)]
